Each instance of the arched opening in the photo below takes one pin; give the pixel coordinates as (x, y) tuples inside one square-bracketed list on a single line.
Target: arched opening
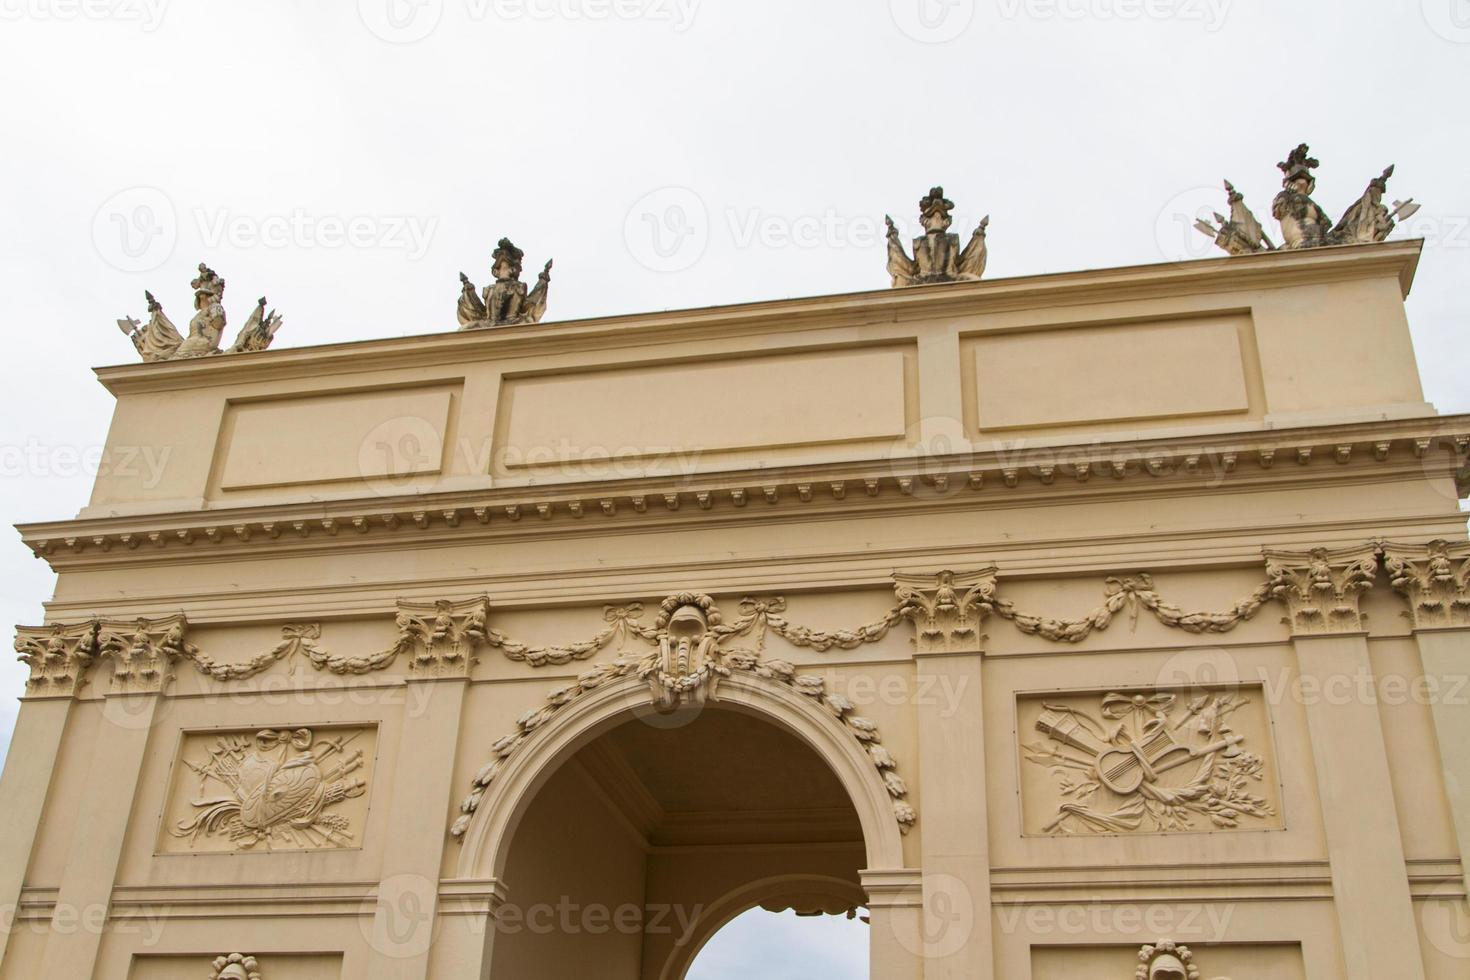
[(627, 839)]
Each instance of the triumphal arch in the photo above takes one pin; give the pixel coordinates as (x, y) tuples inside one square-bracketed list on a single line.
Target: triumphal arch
[(1105, 624)]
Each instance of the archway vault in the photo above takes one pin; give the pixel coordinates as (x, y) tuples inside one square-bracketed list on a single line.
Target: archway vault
[(572, 719)]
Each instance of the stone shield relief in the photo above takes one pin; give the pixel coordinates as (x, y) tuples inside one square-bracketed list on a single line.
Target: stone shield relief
[(1147, 761), (269, 789)]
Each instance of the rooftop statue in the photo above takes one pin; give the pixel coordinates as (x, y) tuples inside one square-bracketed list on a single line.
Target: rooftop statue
[(1303, 222), (160, 340), (937, 255), (1241, 233), (506, 301)]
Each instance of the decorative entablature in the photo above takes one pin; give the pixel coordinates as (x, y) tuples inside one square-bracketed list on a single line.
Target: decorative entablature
[(1435, 578), (1279, 458), (691, 645), (1322, 588)]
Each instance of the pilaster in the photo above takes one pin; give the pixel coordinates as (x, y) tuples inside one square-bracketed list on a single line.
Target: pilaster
[(948, 611), (443, 639), (58, 657), (896, 918), (142, 652), (1435, 580), (1370, 882)]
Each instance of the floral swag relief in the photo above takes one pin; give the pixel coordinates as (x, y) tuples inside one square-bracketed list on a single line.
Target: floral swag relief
[(1320, 589), (1148, 761), (275, 787)]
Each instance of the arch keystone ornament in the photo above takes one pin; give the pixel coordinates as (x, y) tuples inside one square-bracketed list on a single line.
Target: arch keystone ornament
[(236, 966), (1167, 960), (692, 663)]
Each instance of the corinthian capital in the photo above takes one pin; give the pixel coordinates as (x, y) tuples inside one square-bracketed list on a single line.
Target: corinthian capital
[(143, 651), (1435, 578), (58, 656), (443, 636), (1321, 588), (947, 608)]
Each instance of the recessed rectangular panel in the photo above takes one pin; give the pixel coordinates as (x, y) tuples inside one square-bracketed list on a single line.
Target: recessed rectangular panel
[(266, 965), (1112, 373), (1193, 761), (329, 438), (269, 789), (751, 402)]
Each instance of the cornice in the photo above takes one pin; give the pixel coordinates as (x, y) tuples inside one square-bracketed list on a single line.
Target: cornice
[(1252, 461), (1262, 270)]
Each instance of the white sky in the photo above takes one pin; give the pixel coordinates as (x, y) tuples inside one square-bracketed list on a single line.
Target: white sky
[(143, 136)]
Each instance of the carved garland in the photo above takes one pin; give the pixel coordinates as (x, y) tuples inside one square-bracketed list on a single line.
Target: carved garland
[(1320, 588), (687, 666)]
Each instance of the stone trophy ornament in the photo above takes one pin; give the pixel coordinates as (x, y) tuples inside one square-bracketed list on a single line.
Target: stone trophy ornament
[(937, 254), (1241, 233), (506, 302), (1303, 222), (160, 340), (275, 787)]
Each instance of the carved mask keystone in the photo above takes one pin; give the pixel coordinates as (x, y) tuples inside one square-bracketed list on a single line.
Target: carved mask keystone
[(236, 966)]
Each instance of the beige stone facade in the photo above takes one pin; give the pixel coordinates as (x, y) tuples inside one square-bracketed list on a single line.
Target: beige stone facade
[(1051, 621)]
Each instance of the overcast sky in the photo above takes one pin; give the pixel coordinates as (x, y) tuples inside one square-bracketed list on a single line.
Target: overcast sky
[(349, 159)]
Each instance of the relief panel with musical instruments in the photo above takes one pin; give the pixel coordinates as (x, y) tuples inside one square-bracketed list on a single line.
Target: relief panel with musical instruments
[(270, 789), (1150, 761)]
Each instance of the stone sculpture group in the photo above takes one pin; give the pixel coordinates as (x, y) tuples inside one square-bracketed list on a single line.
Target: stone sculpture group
[(937, 257)]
